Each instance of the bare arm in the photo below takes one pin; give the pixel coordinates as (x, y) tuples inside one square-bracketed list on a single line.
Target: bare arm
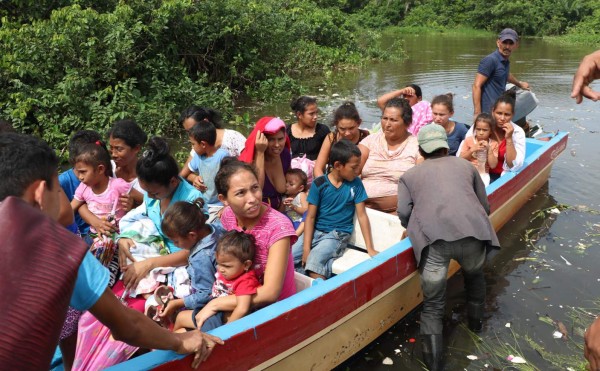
[(477, 86), (521, 84), (382, 100), (588, 71), (323, 157), (185, 166), (365, 227), (260, 147), (134, 328), (244, 302), (467, 150), (364, 156), (65, 215), (274, 170), (309, 231), (100, 225)]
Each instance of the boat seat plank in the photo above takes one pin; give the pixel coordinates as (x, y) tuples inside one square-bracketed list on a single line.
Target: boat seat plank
[(386, 231)]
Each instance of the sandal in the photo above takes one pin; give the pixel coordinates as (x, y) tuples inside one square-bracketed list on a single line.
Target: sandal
[(163, 294)]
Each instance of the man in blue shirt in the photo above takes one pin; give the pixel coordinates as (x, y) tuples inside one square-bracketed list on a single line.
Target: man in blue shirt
[(28, 167), (494, 72)]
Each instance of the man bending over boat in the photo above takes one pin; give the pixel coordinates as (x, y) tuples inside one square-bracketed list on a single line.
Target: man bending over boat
[(443, 205), (57, 267)]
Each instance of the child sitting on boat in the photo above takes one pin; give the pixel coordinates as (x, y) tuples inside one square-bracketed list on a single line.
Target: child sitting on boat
[(97, 200), (235, 276), (482, 148), (333, 200), (294, 203), (205, 164), (185, 224)]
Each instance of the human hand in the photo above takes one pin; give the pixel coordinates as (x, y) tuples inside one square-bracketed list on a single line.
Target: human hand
[(524, 85), (372, 253), (126, 201), (483, 144), (125, 244), (204, 314), (199, 343), (591, 350), (588, 71), (305, 254), (288, 201), (103, 227), (408, 91), (169, 310), (199, 184), (133, 273), (508, 129), (261, 142)]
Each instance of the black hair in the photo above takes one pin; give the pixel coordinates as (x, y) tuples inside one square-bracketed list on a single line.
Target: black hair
[(129, 132), (6, 127), (342, 151), (204, 132), (95, 154), (444, 99), (156, 164), (346, 111), (300, 173), (230, 166), (200, 114), (417, 89), (239, 244), (23, 160), (403, 105), (508, 97), (79, 139), (300, 104), (183, 217), (440, 152)]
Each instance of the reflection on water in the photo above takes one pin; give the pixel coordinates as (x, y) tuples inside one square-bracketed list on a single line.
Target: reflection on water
[(441, 64)]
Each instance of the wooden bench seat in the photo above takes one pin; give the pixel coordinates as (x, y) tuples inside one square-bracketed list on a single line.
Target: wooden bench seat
[(386, 230)]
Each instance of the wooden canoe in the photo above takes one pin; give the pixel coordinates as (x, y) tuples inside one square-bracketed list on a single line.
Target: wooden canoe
[(326, 323)]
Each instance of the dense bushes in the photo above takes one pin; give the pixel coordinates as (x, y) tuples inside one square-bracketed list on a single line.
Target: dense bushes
[(85, 65)]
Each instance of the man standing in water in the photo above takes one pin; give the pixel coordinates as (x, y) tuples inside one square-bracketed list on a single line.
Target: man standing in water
[(494, 72), (457, 228)]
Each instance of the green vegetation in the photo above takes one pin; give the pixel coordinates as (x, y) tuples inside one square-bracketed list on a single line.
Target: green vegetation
[(66, 65)]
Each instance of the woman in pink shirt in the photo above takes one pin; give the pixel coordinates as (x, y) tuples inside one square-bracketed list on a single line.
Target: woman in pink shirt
[(240, 192)]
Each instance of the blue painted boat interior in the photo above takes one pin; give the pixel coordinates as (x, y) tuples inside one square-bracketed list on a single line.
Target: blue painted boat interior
[(534, 149)]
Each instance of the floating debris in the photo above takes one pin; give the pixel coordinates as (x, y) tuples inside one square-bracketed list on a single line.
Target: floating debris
[(507, 325), (557, 335), (514, 359), (396, 351), (387, 361), (526, 258), (472, 357), (566, 261)]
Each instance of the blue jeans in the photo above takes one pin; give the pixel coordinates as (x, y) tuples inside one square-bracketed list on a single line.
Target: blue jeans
[(470, 254), (325, 248)]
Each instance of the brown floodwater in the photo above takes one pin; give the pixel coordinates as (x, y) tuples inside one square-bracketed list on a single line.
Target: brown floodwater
[(548, 263)]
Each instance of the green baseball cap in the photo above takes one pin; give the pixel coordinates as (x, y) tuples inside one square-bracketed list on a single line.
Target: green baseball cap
[(432, 137)]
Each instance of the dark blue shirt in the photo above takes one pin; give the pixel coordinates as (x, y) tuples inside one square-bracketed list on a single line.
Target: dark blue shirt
[(496, 69), (457, 136)]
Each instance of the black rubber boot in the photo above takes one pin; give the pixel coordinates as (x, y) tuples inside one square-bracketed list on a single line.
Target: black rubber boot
[(432, 349), (475, 316)]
